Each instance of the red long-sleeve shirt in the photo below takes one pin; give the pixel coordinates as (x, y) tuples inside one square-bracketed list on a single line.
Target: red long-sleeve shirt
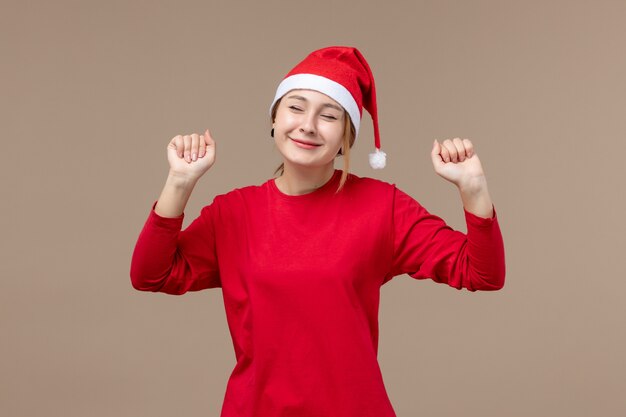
[(301, 278)]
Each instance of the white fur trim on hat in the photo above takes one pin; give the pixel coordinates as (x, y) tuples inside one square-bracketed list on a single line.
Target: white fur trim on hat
[(331, 88)]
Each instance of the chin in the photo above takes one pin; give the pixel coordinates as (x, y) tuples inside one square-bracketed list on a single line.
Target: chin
[(306, 162)]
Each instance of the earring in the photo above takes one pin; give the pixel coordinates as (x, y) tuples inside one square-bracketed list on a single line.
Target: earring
[(272, 132)]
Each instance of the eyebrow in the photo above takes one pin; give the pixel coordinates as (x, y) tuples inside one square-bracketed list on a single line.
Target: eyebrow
[(297, 97)]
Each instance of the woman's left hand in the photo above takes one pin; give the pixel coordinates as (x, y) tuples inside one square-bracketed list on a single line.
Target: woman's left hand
[(456, 161)]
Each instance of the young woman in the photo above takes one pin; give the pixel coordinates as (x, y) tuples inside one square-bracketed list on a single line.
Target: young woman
[(301, 258)]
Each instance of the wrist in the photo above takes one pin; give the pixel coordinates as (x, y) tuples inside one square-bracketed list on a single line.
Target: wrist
[(473, 186), (477, 201), (179, 180)]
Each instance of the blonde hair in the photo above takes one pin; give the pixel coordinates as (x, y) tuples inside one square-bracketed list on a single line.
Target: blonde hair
[(349, 136)]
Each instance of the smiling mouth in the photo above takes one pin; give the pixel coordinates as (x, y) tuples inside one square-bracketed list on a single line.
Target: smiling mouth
[(305, 143)]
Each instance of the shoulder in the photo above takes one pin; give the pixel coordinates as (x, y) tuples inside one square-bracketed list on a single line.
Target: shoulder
[(236, 197), (369, 192), (248, 191), (239, 198), (368, 185), (383, 191), (228, 206)]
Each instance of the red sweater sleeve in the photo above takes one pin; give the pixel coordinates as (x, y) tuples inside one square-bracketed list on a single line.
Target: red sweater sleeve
[(172, 261), (424, 246)]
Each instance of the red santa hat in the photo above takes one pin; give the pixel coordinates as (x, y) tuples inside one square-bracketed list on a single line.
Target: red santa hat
[(343, 74)]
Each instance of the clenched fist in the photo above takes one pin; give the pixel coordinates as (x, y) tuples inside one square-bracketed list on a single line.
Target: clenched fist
[(190, 156), (456, 161)]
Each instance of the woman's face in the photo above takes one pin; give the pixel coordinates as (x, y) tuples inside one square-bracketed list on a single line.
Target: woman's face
[(309, 128)]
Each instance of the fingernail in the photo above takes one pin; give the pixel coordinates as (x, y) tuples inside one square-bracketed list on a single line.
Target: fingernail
[(194, 156)]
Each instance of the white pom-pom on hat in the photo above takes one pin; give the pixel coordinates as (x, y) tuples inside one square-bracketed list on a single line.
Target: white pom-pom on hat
[(378, 159), (343, 74)]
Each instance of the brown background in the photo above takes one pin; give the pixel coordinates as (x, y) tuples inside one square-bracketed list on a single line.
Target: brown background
[(93, 91)]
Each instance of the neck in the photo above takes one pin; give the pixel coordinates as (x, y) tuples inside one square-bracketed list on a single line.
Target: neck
[(303, 180)]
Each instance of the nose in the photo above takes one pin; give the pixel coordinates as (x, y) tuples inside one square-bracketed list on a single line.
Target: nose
[(308, 124)]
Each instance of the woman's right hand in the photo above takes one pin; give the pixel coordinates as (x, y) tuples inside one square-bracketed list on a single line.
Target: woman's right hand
[(190, 156)]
